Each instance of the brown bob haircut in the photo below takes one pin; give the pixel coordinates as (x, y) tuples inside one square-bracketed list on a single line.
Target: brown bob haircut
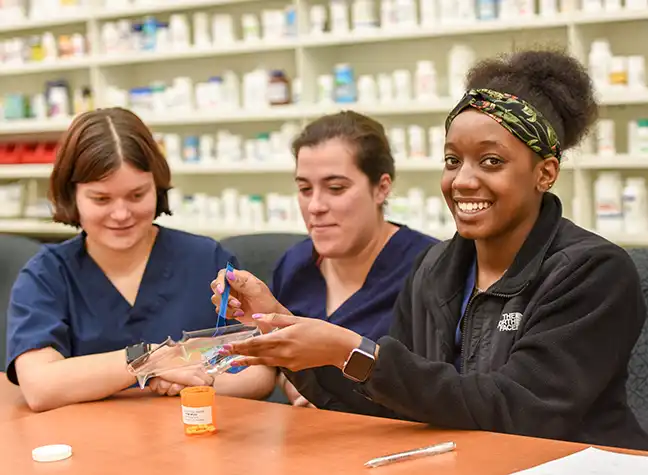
[(96, 144), (372, 151)]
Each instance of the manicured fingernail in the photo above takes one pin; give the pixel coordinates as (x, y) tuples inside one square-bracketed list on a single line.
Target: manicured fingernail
[(238, 313), (227, 347), (257, 316), (236, 363), (219, 288), (230, 276), (223, 352), (235, 303)]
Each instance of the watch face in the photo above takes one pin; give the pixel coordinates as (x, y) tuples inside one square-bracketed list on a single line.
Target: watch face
[(359, 365), (136, 351)]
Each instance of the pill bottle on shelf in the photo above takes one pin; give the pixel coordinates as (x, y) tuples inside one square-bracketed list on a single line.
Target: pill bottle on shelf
[(198, 410), (278, 88)]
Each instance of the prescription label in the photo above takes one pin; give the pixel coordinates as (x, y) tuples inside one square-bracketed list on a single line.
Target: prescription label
[(197, 415)]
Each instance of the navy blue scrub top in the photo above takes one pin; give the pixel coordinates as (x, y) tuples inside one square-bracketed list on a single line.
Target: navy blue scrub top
[(62, 299), (299, 286)]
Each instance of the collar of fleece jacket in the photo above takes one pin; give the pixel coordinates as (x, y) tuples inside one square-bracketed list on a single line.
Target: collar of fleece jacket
[(449, 273)]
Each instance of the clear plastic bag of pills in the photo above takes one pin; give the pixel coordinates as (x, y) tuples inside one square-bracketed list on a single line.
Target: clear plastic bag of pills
[(200, 349)]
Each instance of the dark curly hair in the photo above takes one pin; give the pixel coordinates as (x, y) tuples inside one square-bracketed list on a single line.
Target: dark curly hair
[(553, 82)]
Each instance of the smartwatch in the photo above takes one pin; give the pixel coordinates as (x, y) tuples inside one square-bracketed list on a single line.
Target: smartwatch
[(361, 361), (136, 351)]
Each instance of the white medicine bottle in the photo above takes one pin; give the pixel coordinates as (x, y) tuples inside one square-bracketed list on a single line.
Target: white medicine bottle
[(600, 63), (608, 202), (425, 81), (460, 60), (635, 206)]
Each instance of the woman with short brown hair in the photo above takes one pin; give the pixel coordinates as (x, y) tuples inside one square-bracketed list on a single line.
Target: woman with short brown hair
[(81, 309)]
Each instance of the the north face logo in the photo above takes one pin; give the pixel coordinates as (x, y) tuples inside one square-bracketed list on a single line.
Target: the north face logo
[(509, 322)]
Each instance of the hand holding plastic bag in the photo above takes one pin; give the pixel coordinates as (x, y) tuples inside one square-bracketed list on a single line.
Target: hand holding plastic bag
[(197, 349)]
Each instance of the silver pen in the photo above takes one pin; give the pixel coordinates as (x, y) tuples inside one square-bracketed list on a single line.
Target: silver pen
[(411, 454)]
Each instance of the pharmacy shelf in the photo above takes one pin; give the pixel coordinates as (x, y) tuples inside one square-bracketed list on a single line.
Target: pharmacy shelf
[(79, 16), (43, 228), (245, 167), (624, 96), (167, 6), (307, 56), (379, 35), (238, 48), (612, 162), (287, 165), (585, 18), (233, 168), (27, 171), (267, 114), (46, 66), (33, 126), (625, 239), (442, 105), (291, 112), (35, 227), (299, 112), (16, 172)]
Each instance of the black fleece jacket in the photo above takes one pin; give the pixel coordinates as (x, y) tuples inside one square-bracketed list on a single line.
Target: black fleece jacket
[(545, 349)]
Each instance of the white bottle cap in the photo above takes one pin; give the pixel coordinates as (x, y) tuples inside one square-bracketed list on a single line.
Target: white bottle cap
[(52, 453)]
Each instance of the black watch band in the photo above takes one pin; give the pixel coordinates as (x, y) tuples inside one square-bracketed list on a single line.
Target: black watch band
[(368, 346), (359, 366), (133, 352)]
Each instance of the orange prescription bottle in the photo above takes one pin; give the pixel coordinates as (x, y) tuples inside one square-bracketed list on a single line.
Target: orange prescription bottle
[(198, 410)]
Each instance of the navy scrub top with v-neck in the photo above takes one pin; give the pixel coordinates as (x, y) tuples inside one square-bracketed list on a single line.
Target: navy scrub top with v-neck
[(63, 300), (300, 287)]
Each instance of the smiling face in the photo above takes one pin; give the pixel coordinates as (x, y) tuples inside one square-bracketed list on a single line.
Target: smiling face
[(492, 182), (342, 210), (118, 211)]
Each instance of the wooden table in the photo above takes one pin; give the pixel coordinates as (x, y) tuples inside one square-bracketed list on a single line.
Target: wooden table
[(136, 432)]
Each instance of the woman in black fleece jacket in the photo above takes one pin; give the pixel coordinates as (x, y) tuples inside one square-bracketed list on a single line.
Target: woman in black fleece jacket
[(522, 323)]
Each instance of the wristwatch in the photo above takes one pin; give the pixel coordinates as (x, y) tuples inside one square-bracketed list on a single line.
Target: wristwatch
[(136, 351), (361, 361)]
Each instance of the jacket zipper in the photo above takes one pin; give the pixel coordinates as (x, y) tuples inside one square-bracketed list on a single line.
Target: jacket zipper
[(463, 330), (465, 318)]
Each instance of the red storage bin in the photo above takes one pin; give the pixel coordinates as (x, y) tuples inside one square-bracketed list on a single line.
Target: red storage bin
[(39, 153), (29, 153), (11, 153), (49, 152)]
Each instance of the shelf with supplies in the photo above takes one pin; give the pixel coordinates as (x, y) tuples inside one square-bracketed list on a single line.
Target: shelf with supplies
[(45, 228), (222, 167), (150, 7), (76, 15), (300, 112)]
